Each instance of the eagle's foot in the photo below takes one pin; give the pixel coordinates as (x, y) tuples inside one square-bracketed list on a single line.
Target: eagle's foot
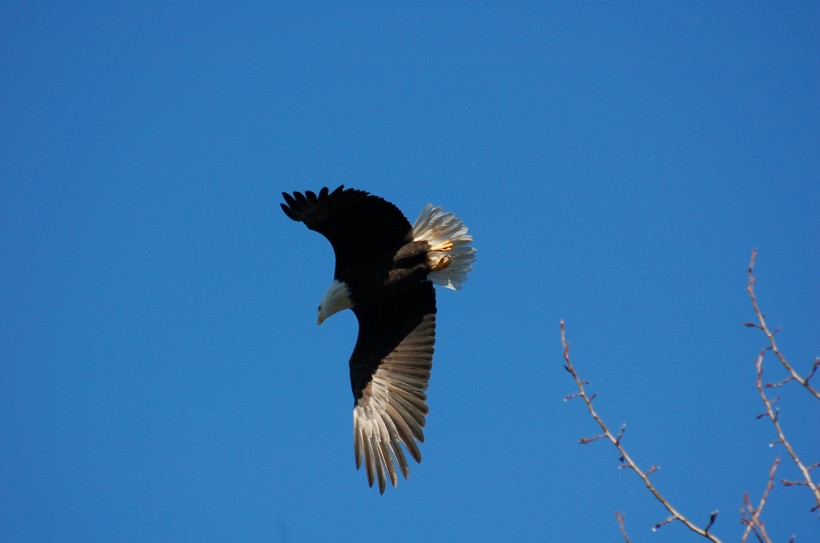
[(442, 263), (444, 247)]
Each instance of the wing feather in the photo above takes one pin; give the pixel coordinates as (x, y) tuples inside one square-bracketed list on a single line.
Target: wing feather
[(357, 224), (393, 434), (390, 372), (405, 435)]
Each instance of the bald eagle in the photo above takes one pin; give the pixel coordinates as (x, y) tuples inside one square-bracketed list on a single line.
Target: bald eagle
[(385, 270)]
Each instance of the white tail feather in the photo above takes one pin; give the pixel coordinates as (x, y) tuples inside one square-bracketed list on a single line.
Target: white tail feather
[(448, 238)]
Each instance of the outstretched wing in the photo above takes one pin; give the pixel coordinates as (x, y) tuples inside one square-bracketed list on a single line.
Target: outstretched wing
[(389, 372), (355, 222)]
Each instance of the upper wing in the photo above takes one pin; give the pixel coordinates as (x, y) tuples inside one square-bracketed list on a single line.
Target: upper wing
[(389, 372), (355, 222)]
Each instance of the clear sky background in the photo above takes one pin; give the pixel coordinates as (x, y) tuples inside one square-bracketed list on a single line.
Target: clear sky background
[(163, 377)]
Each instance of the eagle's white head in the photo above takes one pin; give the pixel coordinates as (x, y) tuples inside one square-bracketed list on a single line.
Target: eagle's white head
[(335, 299)]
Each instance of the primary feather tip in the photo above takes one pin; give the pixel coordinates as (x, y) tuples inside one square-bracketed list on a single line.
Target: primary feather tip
[(449, 242)]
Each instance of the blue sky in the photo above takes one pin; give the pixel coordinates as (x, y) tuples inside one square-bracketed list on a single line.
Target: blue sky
[(163, 375)]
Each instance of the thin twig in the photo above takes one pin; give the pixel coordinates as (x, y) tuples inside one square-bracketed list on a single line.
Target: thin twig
[(751, 515), (750, 287), (620, 517), (626, 459), (772, 414)]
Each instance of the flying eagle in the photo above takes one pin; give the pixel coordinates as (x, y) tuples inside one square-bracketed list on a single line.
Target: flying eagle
[(385, 270)]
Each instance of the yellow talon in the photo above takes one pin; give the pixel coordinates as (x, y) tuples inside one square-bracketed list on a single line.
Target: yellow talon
[(442, 263), (444, 246)]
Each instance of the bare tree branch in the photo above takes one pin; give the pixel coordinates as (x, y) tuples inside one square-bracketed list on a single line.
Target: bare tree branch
[(750, 516), (620, 517), (625, 458), (750, 287), (772, 414)]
